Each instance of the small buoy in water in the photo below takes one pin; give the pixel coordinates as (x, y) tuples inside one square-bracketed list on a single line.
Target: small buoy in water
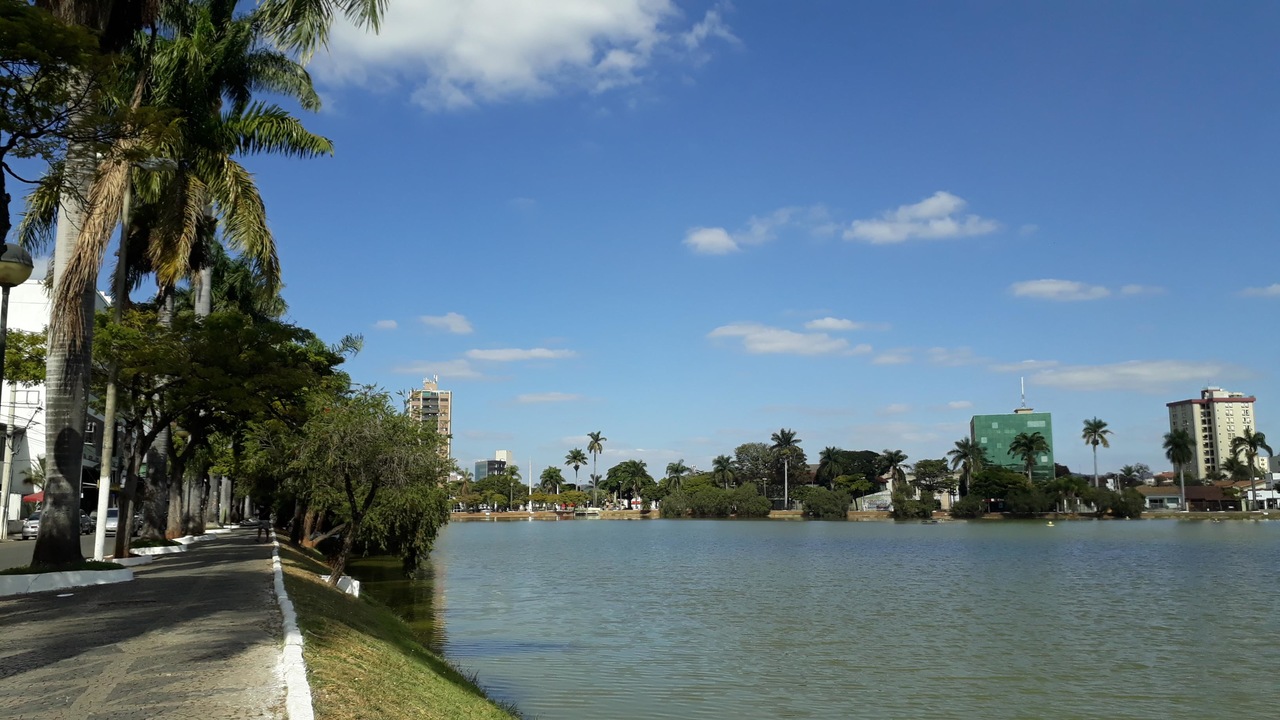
[(1050, 523)]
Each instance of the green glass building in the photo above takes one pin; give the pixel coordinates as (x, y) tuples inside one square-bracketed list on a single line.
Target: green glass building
[(995, 432)]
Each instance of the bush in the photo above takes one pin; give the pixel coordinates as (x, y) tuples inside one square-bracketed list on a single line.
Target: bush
[(967, 508), (1025, 502), (709, 503), (747, 502), (675, 505), (823, 504)]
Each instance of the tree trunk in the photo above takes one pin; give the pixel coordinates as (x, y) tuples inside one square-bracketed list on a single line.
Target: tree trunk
[(67, 368), (308, 527)]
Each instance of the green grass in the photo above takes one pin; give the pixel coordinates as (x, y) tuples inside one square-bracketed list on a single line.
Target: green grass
[(86, 565), (363, 661)]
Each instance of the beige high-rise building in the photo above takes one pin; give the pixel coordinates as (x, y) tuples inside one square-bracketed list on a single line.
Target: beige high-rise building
[(432, 403), (1213, 421)]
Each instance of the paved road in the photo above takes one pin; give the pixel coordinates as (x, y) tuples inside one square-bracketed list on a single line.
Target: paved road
[(16, 553), (195, 635)]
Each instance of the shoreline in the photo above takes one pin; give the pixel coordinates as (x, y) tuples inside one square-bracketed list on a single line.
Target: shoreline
[(856, 516)]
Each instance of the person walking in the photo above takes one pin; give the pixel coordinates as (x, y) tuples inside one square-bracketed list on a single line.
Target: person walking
[(264, 523)]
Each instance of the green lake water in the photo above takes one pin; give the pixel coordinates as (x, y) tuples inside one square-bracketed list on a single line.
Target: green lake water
[(595, 619)]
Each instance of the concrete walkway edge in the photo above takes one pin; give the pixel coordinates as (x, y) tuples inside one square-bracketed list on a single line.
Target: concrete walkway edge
[(292, 669)]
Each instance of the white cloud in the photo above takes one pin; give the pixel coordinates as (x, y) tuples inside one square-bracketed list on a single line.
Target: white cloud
[(935, 217), (1141, 290), (1268, 291), (453, 369), (1024, 366), (760, 339), (959, 405), (1140, 375), (895, 409), (461, 53), (547, 397), (386, 325), (452, 322), (758, 230), (953, 357), (1058, 290), (840, 324), (710, 241), (515, 354)]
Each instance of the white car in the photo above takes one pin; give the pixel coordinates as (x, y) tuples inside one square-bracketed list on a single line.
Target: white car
[(31, 526)]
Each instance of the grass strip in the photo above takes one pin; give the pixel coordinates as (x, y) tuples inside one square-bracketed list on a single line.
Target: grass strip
[(364, 662), (154, 543)]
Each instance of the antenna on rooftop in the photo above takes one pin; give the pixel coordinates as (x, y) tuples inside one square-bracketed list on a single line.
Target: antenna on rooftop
[(1022, 381)]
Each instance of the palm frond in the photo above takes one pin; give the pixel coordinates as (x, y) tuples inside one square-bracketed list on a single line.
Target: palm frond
[(40, 218), (264, 127), (244, 217), (278, 73), (302, 26), (170, 244)]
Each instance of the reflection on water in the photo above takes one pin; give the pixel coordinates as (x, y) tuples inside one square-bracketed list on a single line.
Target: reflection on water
[(690, 619), (413, 599)]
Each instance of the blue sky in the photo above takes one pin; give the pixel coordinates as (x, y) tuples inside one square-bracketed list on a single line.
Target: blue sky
[(689, 224)]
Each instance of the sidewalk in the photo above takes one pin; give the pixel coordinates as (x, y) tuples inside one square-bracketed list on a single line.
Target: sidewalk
[(195, 635)]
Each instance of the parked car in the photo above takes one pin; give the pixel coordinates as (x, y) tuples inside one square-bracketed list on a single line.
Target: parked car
[(31, 526), (113, 521)]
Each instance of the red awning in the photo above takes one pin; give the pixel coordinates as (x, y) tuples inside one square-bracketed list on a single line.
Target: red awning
[(34, 497)]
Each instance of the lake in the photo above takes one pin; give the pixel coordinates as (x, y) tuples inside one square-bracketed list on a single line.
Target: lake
[(592, 619)]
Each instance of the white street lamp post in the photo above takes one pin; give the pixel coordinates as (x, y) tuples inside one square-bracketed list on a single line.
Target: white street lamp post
[(15, 268)]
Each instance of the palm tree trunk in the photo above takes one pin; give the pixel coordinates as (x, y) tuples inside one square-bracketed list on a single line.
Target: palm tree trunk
[(67, 366), (1182, 484), (1095, 466)]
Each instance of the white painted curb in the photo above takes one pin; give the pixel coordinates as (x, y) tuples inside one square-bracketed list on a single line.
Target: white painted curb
[(133, 561), (159, 550), (44, 582), (292, 668)]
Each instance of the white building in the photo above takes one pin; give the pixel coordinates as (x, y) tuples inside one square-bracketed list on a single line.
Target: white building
[(1213, 421), (29, 305)]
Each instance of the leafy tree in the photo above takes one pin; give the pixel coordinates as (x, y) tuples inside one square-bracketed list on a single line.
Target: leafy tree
[(968, 507), (1095, 433), (995, 483), (934, 476), (754, 462), (595, 446), (1251, 443), (631, 477), (1028, 446), (551, 479), (722, 468), (1180, 449), (968, 457), (823, 504), (358, 451), (1066, 490)]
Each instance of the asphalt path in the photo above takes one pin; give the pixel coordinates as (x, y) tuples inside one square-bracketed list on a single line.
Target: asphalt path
[(17, 553)]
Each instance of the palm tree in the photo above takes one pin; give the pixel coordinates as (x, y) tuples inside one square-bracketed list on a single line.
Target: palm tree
[(1250, 443), (722, 468), (1128, 471), (595, 446), (1095, 433), (466, 476), (829, 466), (297, 26), (550, 480), (786, 446), (676, 472), (1027, 446), (967, 457), (893, 460), (1180, 449), (575, 459)]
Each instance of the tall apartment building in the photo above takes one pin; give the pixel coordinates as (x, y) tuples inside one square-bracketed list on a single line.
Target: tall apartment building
[(431, 404), (1213, 421), (995, 432), (485, 468)]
